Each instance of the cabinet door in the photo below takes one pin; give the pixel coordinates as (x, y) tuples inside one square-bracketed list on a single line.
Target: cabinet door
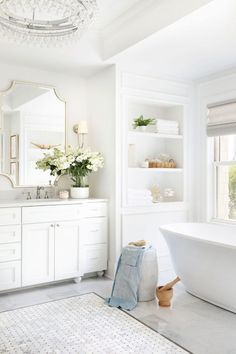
[(37, 253), (66, 250)]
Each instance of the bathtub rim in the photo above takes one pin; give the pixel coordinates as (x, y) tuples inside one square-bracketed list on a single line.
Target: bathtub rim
[(165, 227)]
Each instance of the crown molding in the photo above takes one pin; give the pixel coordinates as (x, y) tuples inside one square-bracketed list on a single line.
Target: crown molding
[(143, 20)]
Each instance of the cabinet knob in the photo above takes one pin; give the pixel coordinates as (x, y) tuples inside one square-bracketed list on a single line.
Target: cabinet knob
[(58, 225), (51, 225)]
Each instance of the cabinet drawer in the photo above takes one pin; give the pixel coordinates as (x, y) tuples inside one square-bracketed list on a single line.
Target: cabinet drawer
[(10, 234), (93, 210), (10, 252), (94, 258), (10, 275), (10, 216), (93, 231), (38, 214)]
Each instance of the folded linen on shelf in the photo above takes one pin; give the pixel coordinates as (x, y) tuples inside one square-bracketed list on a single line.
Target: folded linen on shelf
[(139, 192), (139, 198), (168, 131), (167, 125), (139, 203), (165, 122)]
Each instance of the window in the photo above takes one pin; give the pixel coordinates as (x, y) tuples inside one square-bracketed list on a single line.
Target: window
[(225, 176), (221, 126)]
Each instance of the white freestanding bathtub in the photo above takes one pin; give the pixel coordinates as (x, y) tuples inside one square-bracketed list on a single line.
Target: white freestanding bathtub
[(204, 257)]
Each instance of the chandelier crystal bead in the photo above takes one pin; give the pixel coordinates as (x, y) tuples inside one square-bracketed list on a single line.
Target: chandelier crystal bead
[(46, 21)]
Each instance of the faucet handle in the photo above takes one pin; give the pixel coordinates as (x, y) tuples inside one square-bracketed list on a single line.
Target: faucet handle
[(40, 188), (38, 192), (28, 196)]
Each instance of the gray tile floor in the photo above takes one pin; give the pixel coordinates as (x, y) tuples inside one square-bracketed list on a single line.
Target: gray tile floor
[(192, 323)]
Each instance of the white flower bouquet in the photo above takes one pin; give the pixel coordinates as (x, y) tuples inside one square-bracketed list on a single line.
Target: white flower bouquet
[(76, 162)]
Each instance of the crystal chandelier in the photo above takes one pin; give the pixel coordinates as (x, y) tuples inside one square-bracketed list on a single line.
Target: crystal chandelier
[(46, 22)]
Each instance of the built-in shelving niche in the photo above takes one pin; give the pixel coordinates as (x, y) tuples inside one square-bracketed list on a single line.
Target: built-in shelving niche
[(149, 145)]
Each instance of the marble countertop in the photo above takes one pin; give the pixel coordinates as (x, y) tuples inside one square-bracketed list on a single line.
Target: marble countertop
[(39, 202)]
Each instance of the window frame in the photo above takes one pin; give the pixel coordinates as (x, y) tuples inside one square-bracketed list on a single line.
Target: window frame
[(216, 164)]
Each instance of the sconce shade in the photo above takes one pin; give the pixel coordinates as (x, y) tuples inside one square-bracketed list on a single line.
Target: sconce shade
[(81, 127)]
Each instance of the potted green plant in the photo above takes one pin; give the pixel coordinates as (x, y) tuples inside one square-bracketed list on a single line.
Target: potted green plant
[(142, 122), (83, 164), (75, 162)]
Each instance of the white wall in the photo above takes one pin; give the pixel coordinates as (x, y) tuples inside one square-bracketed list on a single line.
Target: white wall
[(71, 88), (210, 91), (94, 100), (102, 137)]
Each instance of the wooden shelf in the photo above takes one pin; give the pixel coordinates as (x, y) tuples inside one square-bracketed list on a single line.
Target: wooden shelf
[(133, 134), (149, 170)]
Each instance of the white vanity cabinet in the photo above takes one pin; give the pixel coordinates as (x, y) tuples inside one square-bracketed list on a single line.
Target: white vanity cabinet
[(44, 242), (73, 241)]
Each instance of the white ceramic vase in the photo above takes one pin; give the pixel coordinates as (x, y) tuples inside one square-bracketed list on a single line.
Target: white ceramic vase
[(79, 192), (142, 128)]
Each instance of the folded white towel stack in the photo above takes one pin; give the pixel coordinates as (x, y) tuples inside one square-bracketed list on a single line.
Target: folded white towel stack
[(164, 126), (139, 197)]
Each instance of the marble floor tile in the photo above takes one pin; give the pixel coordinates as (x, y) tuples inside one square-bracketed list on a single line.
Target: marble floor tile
[(196, 325)]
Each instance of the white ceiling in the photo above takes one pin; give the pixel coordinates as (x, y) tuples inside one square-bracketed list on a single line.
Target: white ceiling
[(197, 45), (83, 57), (110, 10)]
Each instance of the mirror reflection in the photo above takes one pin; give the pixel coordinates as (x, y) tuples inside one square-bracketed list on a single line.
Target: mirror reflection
[(32, 122)]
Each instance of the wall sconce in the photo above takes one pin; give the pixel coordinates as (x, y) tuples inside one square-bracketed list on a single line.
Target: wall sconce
[(81, 129)]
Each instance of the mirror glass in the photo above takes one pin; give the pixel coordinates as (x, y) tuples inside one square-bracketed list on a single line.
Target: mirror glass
[(32, 122)]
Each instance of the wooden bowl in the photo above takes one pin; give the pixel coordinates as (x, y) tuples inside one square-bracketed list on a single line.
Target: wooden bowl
[(164, 297)]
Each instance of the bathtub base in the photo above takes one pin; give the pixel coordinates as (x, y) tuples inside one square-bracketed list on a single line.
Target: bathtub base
[(223, 307)]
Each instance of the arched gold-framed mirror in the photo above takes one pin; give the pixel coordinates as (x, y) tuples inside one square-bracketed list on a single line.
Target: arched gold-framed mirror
[(32, 122)]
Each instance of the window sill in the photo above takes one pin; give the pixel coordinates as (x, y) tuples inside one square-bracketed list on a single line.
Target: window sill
[(223, 222)]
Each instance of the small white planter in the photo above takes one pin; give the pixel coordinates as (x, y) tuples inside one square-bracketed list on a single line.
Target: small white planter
[(142, 128), (79, 192)]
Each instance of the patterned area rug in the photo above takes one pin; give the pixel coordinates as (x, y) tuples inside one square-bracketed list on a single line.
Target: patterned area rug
[(82, 325)]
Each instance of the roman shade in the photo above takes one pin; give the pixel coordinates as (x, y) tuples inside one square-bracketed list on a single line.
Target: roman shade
[(221, 118)]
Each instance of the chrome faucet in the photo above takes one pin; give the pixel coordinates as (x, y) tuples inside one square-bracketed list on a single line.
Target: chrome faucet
[(28, 196), (38, 196)]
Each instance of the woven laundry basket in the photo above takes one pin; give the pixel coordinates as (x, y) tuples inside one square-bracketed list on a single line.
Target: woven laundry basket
[(149, 276)]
